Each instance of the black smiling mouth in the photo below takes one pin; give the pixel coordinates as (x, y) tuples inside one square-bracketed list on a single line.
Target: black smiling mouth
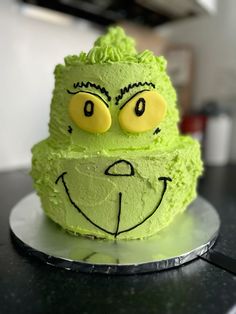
[(116, 232)]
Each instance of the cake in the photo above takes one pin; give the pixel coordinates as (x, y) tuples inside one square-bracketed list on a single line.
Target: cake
[(115, 165)]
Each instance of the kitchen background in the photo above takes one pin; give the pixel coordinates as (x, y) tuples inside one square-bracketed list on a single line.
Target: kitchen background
[(197, 37)]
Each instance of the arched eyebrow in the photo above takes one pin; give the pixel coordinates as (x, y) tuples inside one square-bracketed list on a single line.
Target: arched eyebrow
[(128, 87), (93, 85)]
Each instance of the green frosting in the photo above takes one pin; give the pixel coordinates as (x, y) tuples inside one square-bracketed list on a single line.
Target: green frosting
[(69, 168), (115, 46)]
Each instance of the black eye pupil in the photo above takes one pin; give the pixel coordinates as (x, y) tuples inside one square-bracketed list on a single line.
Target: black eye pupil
[(88, 108), (140, 107)]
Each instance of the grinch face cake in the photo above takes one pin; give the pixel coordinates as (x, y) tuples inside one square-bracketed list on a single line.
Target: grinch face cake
[(114, 165)]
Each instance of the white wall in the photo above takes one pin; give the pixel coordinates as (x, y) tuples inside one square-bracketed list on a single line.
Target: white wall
[(29, 51), (213, 39)]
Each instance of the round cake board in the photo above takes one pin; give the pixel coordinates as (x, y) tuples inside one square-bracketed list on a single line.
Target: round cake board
[(191, 234)]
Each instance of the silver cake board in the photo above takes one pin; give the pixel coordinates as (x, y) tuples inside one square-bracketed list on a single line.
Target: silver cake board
[(190, 235)]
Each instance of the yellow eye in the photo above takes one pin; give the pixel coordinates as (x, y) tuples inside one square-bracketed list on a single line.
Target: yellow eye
[(89, 112), (143, 112)]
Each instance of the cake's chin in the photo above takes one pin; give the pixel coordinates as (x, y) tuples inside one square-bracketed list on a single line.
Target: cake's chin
[(117, 232)]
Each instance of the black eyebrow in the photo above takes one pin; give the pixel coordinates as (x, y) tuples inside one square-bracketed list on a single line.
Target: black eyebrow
[(128, 87), (74, 93), (90, 84)]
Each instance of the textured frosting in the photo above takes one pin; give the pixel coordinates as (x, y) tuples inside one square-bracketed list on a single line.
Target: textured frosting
[(97, 194), (114, 47), (116, 183)]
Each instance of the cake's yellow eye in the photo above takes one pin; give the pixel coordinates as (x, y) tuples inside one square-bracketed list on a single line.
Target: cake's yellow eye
[(89, 112), (143, 112)]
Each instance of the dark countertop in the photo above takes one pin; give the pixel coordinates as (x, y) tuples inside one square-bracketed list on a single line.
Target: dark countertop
[(29, 286)]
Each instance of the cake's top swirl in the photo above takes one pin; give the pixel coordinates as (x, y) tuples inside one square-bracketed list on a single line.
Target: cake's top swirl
[(114, 46)]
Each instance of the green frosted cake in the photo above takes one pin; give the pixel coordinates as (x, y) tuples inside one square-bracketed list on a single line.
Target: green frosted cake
[(114, 165)]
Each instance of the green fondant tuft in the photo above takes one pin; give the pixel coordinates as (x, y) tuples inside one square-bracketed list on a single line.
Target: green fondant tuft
[(115, 46), (116, 37)]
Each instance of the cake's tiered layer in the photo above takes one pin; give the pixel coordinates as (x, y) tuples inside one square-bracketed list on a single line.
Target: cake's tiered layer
[(115, 83), (126, 195)]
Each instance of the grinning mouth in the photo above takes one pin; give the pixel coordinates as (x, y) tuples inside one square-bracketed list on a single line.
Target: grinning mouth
[(117, 232)]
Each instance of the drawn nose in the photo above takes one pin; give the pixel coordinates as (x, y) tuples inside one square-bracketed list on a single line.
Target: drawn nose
[(120, 167)]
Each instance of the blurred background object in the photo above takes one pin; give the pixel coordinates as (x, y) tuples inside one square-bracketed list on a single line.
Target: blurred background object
[(217, 135), (146, 37), (181, 70), (196, 37), (146, 12), (194, 124)]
